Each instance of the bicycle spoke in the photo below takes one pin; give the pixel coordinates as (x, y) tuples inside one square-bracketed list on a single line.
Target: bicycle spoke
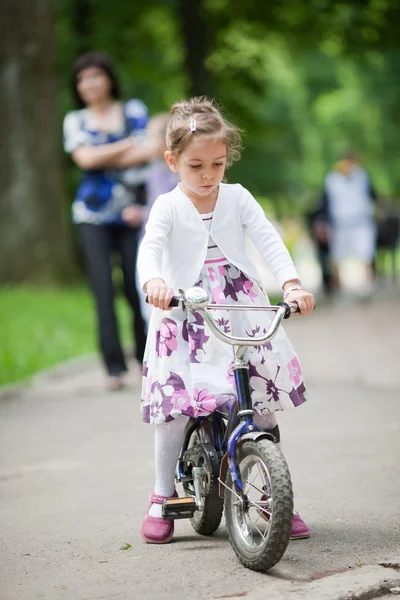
[(259, 507), (249, 483), (262, 492), (263, 536), (258, 517)]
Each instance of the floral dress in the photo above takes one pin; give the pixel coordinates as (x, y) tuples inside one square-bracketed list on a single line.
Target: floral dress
[(188, 371)]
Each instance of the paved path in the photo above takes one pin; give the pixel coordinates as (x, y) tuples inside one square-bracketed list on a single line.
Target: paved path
[(76, 468)]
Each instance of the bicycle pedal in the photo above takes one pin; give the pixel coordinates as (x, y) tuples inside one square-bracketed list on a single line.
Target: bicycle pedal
[(178, 508)]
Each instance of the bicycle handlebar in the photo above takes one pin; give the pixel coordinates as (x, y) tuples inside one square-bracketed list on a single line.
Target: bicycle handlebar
[(197, 300)]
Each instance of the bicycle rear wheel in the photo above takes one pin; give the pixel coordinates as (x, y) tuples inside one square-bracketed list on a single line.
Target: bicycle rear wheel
[(259, 529), (207, 520)]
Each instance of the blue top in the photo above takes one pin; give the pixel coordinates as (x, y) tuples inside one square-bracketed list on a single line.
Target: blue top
[(104, 193)]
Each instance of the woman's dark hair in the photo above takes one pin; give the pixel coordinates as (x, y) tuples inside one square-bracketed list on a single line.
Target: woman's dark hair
[(99, 61)]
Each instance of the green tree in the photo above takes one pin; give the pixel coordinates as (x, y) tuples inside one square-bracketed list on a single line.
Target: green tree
[(34, 241)]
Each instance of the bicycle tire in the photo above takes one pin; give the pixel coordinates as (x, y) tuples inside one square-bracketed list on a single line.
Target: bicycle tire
[(269, 552), (207, 521)]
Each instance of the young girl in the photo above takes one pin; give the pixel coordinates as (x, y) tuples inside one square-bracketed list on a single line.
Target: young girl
[(196, 235)]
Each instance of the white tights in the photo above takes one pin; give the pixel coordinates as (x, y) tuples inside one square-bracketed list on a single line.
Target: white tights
[(168, 442)]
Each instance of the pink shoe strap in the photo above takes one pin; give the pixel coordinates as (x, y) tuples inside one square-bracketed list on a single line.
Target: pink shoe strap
[(155, 499)]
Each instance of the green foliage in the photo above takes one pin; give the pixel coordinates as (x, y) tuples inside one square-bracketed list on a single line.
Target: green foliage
[(41, 327), (306, 81), (142, 38)]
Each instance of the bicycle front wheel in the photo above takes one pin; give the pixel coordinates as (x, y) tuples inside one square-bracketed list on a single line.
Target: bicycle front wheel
[(259, 528)]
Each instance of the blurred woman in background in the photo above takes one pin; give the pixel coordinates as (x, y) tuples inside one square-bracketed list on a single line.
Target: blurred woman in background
[(105, 138)]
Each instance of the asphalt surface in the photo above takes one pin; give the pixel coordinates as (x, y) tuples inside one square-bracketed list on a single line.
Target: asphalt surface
[(76, 469)]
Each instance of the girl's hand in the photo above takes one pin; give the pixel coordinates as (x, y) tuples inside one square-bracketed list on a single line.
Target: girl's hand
[(159, 294), (304, 299)]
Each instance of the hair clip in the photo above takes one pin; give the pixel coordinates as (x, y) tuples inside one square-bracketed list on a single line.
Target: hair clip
[(193, 125)]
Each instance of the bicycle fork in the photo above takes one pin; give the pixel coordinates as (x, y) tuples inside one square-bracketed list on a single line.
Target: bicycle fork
[(246, 429)]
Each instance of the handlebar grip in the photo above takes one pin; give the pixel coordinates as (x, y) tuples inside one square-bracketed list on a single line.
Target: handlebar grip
[(288, 308), (173, 303)]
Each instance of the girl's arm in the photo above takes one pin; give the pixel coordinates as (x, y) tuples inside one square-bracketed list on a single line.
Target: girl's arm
[(268, 242), (158, 228), (274, 252)]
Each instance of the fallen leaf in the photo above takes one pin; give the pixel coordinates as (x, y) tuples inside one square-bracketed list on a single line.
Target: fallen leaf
[(126, 546)]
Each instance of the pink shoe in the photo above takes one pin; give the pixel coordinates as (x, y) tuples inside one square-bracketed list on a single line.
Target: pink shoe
[(157, 530), (300, 530)]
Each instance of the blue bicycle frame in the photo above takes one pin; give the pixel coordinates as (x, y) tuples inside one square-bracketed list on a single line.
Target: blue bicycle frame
[(240, 422), (196, 299)]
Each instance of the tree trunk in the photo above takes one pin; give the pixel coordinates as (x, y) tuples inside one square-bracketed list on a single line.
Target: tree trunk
[(193, 24), (35, 236)]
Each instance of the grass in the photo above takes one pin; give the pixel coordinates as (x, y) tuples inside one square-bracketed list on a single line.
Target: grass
[(42, 326)]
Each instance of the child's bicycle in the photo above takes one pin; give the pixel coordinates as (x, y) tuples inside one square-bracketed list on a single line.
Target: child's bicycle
[(227, 460)]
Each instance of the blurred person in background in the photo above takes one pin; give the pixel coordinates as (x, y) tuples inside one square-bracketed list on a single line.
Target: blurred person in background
[(347, 207), (320, 231), (105, 139), (160, 178)]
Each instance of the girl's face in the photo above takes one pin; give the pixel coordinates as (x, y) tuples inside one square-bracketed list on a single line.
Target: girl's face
[(93, 85), (201, 166)]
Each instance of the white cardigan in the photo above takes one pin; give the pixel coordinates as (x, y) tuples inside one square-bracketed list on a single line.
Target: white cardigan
[(174, 247)]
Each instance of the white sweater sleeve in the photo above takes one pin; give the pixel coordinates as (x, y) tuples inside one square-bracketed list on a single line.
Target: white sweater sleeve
[(158, 227), (267, 241)]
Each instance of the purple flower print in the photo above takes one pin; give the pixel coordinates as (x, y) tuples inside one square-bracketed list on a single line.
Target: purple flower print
[(161, 397), (256, 333), (231, 376), (204, 403), (193, 332), (224, 325), (165, 400), (294, 371), (156, 408), (272, 390), (147, 394), (166, 341), (248, 289), (181, 401), (217, 293), (235, 282), (261, 382), (265, 388), (175, 381), (146, 414), (298, 396), (145, 369)]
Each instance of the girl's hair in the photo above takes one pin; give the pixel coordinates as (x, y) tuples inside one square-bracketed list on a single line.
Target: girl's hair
[(208, 121), (99, 61)]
